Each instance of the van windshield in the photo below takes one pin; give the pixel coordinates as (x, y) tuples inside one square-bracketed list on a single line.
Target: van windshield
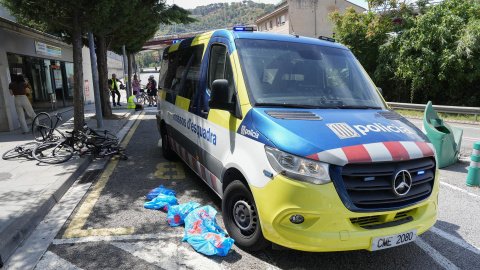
[(289, 74)]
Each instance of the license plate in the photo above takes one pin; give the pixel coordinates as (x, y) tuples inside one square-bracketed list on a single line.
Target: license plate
[(394, 240)]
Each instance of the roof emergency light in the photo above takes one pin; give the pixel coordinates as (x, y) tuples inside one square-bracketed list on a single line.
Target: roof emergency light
[(326, 38), (242, 28)]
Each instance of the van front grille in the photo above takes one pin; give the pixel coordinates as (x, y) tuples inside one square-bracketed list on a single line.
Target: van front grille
[(369, 186)]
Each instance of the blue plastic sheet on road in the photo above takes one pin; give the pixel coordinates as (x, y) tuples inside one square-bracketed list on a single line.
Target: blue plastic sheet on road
[(177, 213), (160, 190), (203, 233), (161, 202)]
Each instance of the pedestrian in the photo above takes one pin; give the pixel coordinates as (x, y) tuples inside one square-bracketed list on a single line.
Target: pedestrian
[(133, 102), (18, 88), (136, 85), (152, 95), (114, 89)]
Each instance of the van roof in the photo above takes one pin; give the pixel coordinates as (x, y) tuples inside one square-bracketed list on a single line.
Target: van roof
[(232, 35)]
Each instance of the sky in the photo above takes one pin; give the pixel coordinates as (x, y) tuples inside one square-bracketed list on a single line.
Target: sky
[(190, 4)]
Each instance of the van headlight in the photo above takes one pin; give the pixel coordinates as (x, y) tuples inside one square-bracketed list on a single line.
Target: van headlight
[(298, 168)]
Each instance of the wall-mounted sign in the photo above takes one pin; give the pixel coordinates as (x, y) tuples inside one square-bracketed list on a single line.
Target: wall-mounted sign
[(55, 67), (48, 50)]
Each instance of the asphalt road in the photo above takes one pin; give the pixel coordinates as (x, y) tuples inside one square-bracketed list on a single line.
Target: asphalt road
[(110, 228)]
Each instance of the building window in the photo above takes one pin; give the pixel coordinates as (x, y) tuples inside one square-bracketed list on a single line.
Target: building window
[(266, 26), (282, 19), (259, 28), (271, 24)]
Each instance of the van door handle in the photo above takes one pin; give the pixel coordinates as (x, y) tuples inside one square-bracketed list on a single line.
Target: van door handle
[(204, 112)]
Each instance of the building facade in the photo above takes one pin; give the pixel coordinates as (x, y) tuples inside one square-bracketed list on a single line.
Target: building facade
[(303, 17), (46, 62)]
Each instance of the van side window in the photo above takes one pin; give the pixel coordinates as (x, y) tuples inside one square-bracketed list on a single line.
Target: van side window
[(183, 67), (220, 66), (189, 69), (163, 70)]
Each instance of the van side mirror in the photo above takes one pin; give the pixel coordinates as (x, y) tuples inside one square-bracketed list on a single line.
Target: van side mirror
[(380, 90), (224, 98)]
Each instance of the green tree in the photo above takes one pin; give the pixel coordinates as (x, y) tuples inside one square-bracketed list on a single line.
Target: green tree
[(436, 59), (364, 33), (130, 23)]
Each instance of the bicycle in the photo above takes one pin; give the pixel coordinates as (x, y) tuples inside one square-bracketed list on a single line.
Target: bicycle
[(143, 97), (22, 150), (102, 145), (55, 147)]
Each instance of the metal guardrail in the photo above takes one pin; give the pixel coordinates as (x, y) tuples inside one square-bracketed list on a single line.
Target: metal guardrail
[(438, 108)]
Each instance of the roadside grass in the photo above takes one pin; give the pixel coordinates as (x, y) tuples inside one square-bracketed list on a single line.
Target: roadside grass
[(448, 116)]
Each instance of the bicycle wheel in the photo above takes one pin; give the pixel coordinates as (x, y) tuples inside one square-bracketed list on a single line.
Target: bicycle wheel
[(53, 152), (41, 126), (141, 99), (20, 150)]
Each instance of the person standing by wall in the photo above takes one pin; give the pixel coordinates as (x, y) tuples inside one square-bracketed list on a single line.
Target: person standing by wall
[(136, 85), (18, 88), (114, 89)]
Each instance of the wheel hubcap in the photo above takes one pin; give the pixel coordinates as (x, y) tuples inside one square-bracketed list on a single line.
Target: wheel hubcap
[(243, 215)]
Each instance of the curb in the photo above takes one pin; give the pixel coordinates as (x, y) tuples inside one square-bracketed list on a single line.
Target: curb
[(19, 230), (13, 236)]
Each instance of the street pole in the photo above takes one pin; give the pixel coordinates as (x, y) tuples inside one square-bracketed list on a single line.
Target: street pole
[(125, 70), (96, 86)]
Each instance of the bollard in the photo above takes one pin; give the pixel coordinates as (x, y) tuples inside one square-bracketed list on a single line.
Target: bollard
[(473, 177)]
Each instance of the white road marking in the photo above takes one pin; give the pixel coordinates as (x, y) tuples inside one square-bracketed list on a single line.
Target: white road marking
[(436, 256), (116, 238), (168, 255), (52, 261), (455, 240), (460, 189)]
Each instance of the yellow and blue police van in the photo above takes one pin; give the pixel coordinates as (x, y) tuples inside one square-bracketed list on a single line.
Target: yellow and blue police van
[(297, 141)]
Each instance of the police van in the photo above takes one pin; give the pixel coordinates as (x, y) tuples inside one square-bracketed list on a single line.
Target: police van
[(298, 142)]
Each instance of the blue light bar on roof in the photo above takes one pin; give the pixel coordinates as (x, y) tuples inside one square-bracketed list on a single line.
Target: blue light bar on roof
[(241, 28)]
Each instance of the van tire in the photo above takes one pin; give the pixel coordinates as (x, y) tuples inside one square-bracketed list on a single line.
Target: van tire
[(168, 153), (244, 229)]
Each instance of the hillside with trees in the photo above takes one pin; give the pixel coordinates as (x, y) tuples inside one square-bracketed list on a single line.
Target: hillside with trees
[(220, 15)]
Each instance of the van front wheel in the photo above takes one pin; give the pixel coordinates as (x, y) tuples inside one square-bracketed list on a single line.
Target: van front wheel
[(166, 150), (241, 217)]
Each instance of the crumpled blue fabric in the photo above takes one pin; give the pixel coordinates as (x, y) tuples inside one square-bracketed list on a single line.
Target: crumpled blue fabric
[(177, 213), (203, 233), (160, 190), (161, 201)]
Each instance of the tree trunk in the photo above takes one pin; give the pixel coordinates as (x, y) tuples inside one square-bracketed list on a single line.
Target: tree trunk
[(103, 75), (130, 76), (78, 102)]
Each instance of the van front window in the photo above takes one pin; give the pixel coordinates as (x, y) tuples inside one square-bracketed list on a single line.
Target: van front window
[(304, 75)]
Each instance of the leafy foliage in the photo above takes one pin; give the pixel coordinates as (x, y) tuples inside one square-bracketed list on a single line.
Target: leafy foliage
[(436, 59), (220, 15), (431, 55)]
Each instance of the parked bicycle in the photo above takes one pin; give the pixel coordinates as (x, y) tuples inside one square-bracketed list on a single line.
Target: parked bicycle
[(22, 150), (143, 97), (53, 146)]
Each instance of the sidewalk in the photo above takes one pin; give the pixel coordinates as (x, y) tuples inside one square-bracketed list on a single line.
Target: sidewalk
[(29, 189)]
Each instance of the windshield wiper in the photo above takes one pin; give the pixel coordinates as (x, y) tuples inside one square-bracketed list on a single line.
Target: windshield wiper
[(286, 105), (358, 107)]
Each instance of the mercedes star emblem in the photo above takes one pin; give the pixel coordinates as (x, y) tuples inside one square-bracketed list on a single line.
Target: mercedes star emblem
[(402, 183)]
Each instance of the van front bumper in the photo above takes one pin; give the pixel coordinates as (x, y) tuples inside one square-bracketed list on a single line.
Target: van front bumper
[(328, 225)]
